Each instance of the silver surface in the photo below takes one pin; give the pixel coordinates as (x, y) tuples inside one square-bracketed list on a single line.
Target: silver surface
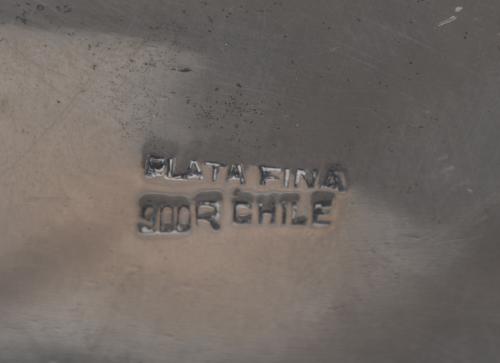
[(402, 94)]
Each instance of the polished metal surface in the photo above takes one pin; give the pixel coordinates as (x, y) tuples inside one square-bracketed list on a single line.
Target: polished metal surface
[(349, 210)]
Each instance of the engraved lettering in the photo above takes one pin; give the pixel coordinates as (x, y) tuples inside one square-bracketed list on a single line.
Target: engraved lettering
[(155, 167), (148, 215), (310, 205), (296, 218), (268, 173), (215, 169), (267, 207), (309, 176), (242, 207), (236, 172), (208, 209), (334, 179), (183, 218), (286, 178), (173, 213), (170, 174), (193, 172), (322, 203), (242, 212), (167, 219), (286, 201)]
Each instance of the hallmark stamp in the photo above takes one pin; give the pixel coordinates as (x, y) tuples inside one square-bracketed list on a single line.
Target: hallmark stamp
[(279, 196)]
